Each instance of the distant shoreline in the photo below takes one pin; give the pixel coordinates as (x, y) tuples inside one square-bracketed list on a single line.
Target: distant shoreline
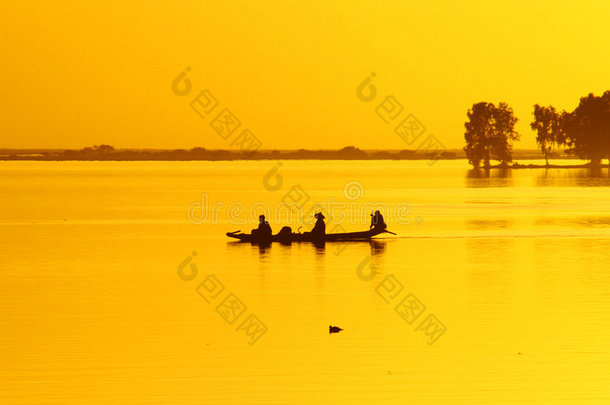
[(108, 153)]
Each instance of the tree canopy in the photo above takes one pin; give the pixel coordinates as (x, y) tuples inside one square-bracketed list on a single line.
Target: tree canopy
[(490, 132), (588, 128), (584, 132), (549, 127)]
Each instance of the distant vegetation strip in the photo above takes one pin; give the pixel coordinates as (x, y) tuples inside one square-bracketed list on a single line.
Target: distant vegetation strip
[(107, 152)]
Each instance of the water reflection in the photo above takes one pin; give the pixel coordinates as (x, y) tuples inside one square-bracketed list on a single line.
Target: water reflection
[(263, 249), (597, 171), (586, 177), (320, 247), (377, 247), (589, 222), (320, 257), (497, 177), (488, 224)]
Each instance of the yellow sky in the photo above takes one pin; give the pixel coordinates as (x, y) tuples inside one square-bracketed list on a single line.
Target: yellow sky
[(80, 73)]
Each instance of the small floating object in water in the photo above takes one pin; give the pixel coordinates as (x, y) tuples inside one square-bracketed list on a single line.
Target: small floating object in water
[(334, 329)]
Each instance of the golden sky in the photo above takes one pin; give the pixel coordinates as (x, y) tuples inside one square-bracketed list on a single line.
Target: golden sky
[(79, 73)]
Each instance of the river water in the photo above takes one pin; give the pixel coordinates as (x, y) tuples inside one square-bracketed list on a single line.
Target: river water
[(118, 284)]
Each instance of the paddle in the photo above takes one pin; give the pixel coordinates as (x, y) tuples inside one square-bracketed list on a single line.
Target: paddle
[(390, 232)]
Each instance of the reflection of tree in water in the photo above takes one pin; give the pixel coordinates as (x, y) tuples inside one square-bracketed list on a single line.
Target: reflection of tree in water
[(496, 177), (594, 171), (601, 222), (588, 177)]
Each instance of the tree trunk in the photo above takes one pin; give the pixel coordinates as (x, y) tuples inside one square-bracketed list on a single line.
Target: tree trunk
[(487, 157)]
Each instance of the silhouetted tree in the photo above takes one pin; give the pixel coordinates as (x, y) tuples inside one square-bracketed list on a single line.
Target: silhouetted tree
[(548, 124), (490, 131), (103, 148), (588, 128), (351, 152)]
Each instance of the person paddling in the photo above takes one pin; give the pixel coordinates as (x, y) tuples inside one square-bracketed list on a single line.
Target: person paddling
[(377, 222)]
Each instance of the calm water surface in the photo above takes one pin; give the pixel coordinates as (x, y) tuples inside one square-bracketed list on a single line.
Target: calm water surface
[(514, 265)]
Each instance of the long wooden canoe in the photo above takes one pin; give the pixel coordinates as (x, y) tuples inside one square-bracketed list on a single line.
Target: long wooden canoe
[(284, 237)]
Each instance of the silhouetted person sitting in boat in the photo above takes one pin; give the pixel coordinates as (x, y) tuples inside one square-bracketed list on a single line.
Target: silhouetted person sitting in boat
[(319, 229), (263, 232), (377, 222)]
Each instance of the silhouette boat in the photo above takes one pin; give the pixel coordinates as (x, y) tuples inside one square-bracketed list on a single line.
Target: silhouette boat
[(287, 236)]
